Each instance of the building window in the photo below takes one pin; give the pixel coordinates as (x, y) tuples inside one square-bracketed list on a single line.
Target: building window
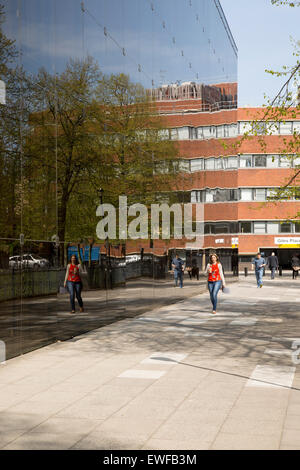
[(196, 196), (219, 195), (297, 227), (183, 165), (245, 227), (219, 163), (271, 193), (272, 227), (212, 131), (285, 227), (284, 161), (232, 130), (209, 163), (259, 128), (259, 194), (246, 194), (296, 162), (296, 126), (183, 133), (245, 126), (206, 132), (226, 130), (174, 134), (220, 131), (209, 228), (209, 195), (200, 133), (259, 160), (234, 227), (197, 164), (259, 227), (233, 194), (272, 161), (165, 134), (221, 228), (192, 133), (245, 161), (230, 162), (286, 127)]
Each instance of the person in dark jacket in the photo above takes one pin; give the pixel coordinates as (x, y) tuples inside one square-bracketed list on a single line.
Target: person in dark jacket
[(295, 265), (178, 266), (272, 264)]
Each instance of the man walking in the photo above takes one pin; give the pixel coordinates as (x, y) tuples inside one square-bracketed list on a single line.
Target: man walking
[(259, 264), (178, 266), (273, 264)]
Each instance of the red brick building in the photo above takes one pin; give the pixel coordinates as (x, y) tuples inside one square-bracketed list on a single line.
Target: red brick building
[(232, 181)]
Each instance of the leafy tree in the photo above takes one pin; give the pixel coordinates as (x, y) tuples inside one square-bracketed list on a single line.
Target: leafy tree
[(61, 150), (277, 110), (90, 131), (14, 129)]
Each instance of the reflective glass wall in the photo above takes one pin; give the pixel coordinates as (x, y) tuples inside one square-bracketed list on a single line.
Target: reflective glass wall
[(80, 127)]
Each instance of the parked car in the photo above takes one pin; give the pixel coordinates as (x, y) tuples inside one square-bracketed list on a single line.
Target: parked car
[(28, 260), (14, 262)]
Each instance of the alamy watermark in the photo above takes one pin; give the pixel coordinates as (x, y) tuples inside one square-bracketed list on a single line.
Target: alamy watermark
[(2, 352), (296, 352), (161, 221)]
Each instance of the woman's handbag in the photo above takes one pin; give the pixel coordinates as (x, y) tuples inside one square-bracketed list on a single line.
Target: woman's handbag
[(225, 290), (63, 290)]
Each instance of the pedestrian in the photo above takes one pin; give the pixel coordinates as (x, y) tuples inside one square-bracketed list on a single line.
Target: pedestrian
[(259, 264), (272, 264), (178, 266), (215, 279), (295, 265), (73, 282), (189, 271)]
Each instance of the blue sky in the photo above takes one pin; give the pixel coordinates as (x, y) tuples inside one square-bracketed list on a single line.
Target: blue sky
[(161, 40), (262, 33)]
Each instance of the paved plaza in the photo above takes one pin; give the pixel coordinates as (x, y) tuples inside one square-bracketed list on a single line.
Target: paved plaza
[(174, 377)]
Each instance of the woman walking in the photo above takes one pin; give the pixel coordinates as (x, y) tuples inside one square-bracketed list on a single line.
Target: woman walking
[(73, 283), (215, 279)]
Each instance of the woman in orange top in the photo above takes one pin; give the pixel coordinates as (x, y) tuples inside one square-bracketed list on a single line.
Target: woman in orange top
[(73, 283), (215, 279)]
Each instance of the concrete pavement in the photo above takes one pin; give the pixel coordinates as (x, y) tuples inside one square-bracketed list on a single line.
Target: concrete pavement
[(31, 323), (176, 377)]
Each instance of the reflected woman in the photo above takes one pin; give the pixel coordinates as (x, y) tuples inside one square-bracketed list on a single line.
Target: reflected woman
[(73, 283)]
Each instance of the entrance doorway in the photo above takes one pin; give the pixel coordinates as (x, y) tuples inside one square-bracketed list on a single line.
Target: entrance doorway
[(284, 255)]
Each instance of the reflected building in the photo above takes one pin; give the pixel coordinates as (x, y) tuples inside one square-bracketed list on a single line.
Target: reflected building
[(74, 76)]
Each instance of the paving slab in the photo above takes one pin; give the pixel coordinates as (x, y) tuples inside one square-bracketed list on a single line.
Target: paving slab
[(175, 377)]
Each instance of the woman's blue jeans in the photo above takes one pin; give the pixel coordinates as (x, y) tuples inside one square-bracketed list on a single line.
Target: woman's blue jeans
[(214, 287), (75, 288)]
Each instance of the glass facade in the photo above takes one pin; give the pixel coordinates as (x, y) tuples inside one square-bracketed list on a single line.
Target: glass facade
[(78, 127)]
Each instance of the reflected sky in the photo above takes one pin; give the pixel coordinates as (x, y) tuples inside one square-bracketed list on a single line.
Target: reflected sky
[(155, 42)]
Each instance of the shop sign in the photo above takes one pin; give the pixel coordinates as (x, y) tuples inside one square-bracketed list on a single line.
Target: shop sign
[(287, 241), (234, 242)]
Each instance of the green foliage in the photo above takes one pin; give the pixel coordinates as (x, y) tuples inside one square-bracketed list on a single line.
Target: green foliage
[(285, 2), (82, 131)]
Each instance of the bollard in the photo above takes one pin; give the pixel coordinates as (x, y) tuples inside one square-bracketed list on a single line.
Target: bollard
[(246, 271), (280, 270)]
